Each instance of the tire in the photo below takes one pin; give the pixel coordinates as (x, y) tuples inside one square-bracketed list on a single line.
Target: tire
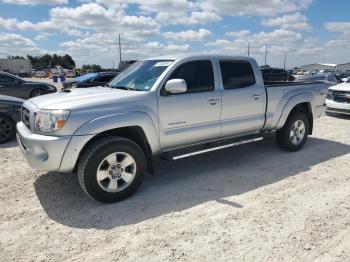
[(37, 92), (295, 142), (99, 159), (7, 128)]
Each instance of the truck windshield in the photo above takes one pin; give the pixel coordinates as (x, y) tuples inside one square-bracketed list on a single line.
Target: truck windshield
[(141, 75)]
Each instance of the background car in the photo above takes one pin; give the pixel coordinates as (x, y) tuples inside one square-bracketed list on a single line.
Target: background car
[(12, 85), (328, 79), (338, 99), (90, 80), (70, 73), (40, 74), (276, 75), (10, 114)]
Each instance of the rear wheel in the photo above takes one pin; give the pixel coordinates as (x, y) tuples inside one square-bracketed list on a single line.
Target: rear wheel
[(294, 133), (112, 169), (37, 92), (7, 128)]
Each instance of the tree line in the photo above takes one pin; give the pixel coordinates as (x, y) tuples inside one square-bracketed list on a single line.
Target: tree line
[(48, 61)]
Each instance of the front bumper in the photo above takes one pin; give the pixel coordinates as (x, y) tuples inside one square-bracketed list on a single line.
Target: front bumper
[(337, 108), (42, 152)]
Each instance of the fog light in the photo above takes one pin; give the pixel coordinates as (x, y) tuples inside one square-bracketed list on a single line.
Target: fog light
[(40, 153)]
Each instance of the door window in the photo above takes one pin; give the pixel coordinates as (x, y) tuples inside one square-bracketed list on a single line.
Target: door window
[(199, 76), (6, 79), (106, 78), (237, 74)]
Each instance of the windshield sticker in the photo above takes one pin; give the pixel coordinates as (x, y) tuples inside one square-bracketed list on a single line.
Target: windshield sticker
[(163, 63)]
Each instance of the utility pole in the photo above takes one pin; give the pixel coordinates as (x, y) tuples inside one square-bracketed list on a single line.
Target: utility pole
[(266, 55), (249, 48), (285, 60), (120, 50)]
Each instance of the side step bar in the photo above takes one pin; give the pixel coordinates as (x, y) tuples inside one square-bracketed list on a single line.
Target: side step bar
[(174, 156)]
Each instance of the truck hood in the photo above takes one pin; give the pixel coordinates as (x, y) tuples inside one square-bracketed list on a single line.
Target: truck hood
[(341, 87), (75, 99)]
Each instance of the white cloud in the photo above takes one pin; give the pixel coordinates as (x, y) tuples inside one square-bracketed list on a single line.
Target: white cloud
[(42, 36), (35, 2), (191, 18), (239, 34), (91, 17), (338, 27), (14, 44), (295, 21), (254, 7), (189, 35)]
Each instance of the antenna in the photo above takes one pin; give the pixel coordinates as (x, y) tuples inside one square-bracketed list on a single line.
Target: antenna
[(266, 55), (120, 49), (249, 48), (285, 60)]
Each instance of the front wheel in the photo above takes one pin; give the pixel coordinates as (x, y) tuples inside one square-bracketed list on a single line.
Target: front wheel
[(112, 169), (7, 128), (37, 92), (294, 133)]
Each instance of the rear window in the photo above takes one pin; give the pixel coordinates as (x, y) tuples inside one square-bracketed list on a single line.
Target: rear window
[(237, 74)]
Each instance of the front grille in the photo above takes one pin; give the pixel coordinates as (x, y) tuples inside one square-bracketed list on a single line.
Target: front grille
[(341, 96), (336, 110), (26, 117)]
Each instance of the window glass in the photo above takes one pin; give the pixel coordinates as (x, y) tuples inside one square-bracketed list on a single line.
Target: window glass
[(237, 74), (141, 75), (6, 79), (106, 78), (199, 76)]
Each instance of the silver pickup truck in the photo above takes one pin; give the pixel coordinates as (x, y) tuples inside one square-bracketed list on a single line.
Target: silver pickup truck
[(173, 107)]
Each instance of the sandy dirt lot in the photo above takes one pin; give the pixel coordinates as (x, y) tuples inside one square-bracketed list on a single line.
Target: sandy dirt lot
[(250, 203)]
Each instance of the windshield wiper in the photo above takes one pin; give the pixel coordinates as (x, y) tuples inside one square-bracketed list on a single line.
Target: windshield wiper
[(123, 88)]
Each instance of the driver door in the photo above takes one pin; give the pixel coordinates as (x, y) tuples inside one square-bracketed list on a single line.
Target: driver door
[(193, 116)]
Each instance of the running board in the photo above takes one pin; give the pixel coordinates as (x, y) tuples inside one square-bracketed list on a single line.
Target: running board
[(174, 156)]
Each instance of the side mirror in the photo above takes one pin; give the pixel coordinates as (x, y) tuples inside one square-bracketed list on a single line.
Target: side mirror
[(176, 86)]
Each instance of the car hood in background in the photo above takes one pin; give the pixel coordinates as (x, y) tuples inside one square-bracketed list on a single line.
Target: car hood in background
[(95, 97), (341, 87), (12, 99)]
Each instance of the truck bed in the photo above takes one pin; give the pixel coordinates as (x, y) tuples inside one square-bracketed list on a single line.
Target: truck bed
[(278, 93)]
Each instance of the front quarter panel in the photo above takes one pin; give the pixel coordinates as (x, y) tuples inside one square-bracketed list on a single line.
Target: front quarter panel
[(120, 120)]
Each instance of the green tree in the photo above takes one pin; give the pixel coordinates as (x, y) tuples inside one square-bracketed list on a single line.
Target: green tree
[(93, 67)]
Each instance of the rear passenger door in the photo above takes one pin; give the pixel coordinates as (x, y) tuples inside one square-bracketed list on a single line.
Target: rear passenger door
[(243, 98)]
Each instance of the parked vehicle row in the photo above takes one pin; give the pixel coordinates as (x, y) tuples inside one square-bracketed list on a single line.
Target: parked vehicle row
[(276, 74), (12, 85), (89, 80), (172, 107)]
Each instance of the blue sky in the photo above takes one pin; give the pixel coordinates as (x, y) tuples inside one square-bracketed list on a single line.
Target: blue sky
[(307, 30)]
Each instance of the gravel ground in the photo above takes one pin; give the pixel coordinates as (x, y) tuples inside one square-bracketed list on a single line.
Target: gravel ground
[(250, 203)]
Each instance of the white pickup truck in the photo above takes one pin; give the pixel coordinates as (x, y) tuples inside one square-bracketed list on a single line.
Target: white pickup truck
[(173, 107)]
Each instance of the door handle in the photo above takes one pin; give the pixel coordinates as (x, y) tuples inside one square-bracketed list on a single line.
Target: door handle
[(213, 101), (256, 96)]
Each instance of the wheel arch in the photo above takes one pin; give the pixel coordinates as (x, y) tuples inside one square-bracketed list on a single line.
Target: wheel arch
[(134, 133), (299, 103), (136, 126)]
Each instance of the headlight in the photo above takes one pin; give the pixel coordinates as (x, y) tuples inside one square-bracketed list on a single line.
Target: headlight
[(51, 120), (330, 94)]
